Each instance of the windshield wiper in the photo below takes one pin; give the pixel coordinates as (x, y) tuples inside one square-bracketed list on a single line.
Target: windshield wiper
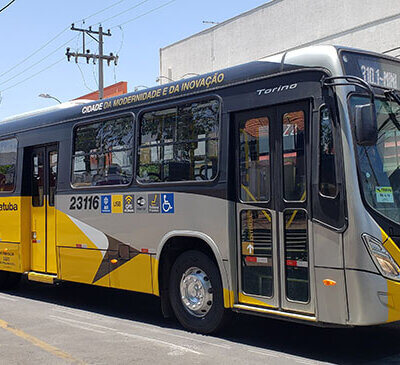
[(392, 95)]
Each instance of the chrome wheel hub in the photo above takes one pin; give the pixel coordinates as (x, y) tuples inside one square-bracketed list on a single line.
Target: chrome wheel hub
[(196, 292)]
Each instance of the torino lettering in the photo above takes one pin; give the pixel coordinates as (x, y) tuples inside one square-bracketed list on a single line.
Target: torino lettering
[(276, 89)]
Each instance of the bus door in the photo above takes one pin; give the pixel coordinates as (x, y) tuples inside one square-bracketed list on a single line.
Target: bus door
[(43, 176), (273, 208)]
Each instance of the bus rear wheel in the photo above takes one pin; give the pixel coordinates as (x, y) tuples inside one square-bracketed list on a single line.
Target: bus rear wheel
[(9, 280), (196, 293)]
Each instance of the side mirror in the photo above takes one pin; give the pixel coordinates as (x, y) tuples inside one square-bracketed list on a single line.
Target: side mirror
[(366, 125)]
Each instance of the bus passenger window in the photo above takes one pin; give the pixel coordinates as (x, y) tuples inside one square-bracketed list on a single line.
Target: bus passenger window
[(38, 179), (53, 159), (296, 255), (294, 162), (179, 143), (327, 169), (254, 159), (103, 153), (8, 159)]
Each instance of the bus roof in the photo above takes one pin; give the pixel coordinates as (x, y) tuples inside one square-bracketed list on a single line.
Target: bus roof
[(315, 56)]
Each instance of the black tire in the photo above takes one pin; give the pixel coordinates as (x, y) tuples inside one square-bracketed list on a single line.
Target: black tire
[(216, 316), (9, 280)]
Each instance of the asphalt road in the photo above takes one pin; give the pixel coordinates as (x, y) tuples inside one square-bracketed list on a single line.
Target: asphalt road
[(73, 323)]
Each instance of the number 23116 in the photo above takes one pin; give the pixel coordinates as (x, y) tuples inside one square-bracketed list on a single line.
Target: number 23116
[(84, 202)]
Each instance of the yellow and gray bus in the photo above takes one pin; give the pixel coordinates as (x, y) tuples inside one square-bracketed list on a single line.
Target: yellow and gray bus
[(270, 188)]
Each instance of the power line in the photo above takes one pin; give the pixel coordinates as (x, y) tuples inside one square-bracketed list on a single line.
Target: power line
[(100, 11), (32, 76), (4, 8), (94, 75), (123, 12), (59, 34), (40, 61), (83, 78), (100, 57), (52, 39), (144, 14), (122, 40), (115, 75), (32, 54)]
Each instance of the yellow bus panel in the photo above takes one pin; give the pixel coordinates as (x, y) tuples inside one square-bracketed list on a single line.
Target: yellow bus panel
[(10, 219), (81, 265), (10, 259), (134, 275)]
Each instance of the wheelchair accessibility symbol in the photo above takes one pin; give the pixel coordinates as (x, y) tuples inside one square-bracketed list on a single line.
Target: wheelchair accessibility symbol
[(167, 203)]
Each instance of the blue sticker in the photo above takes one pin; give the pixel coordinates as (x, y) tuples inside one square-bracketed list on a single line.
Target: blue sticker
[(106, 203), (167, 203)]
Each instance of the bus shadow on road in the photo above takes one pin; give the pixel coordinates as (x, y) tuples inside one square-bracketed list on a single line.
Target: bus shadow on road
[(379, 344)]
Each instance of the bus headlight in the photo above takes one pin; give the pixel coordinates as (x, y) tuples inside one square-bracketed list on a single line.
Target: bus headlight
[(382, 258)]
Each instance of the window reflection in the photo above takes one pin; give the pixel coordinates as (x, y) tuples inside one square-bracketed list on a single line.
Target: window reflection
[(179, 143), (327, 169), (296, 255), (53, 157), (294, 172), (254, 159), (8, 159), (103, 153), (38, 179), (257, 258)]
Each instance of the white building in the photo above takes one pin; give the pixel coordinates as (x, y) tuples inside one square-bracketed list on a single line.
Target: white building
[(282, 25)]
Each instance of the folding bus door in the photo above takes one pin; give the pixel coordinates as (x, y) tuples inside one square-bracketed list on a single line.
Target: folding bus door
[(273, 208), (43, 178)]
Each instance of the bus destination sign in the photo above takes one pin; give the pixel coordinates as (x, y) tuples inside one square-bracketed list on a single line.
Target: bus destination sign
[(374, 70)]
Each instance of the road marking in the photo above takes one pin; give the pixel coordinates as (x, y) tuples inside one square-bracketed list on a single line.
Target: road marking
[(300, 360), (8, 298), (82, 322), (133, 324), (306, 362), (276, 354), (69, 312), (264, 353), (169, 344), (39, 343), (76, 325), (196, 340), (80, 314)]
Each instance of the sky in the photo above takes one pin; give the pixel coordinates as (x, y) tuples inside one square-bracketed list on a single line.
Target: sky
[(36, 33)]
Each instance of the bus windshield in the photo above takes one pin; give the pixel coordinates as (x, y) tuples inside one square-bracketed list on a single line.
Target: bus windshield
[(379, 165)]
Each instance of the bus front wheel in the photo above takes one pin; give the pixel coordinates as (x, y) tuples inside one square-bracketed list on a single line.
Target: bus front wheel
[(196, 293)]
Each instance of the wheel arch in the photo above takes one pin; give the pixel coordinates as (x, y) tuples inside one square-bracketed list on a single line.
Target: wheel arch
[(171, 246)]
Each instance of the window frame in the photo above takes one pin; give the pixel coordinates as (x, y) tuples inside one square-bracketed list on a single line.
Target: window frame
[(4, 192), (49, 175), (335, 146), (378, 216), (310, 264), (273, 249), (271, 165), (177, 105), (102, 119), (306, 142)]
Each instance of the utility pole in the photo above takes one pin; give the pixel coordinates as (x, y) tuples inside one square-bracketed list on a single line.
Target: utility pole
[(86, 53)]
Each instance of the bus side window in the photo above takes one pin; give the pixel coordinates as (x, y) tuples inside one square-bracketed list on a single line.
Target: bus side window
[(8, 159), (179, 143), (103, 153), (327, 168), (254, 155)]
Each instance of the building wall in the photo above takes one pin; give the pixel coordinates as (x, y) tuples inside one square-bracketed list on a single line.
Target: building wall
[(282, 25)]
